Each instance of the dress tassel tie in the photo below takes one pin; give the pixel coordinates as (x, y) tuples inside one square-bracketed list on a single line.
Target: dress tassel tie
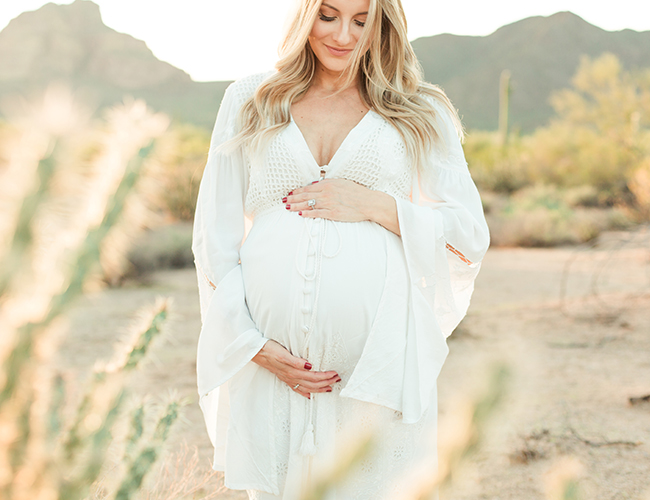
[(308, 446), (308, 442)]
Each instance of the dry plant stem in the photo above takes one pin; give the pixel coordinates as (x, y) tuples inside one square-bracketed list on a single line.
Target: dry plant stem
[(182, 477), (598, 444)]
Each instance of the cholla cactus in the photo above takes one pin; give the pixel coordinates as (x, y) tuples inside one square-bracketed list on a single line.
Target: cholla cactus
[(65, 184)]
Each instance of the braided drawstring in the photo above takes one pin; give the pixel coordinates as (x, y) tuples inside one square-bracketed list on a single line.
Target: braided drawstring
[(311, 244), (308, 442)]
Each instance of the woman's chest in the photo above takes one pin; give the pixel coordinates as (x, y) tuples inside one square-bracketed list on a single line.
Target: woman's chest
[(372, 154), (325, 130)]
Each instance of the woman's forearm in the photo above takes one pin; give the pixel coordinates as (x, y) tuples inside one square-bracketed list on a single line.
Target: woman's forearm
[(382, 209)]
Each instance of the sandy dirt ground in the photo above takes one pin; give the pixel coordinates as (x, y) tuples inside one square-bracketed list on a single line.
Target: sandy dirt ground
[(572, 325)]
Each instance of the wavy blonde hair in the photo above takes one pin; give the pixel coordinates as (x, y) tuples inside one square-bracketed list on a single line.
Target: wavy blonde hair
[(390, 81)]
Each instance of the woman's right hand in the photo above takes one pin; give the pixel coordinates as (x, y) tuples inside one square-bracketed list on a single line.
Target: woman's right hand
[(293, 370)]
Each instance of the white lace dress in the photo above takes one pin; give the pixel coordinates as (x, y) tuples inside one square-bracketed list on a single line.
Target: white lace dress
[(350, 297)]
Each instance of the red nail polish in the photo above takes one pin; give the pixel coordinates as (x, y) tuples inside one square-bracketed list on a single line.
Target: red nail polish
[(329, 390), (314, 182), (287, 206), (284, 200), (290, 193), (338, 380), (300, 213), (307, 365)]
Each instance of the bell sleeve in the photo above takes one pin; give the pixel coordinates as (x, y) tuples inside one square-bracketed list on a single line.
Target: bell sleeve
[(229, 338), (444, 232), (444, 237)]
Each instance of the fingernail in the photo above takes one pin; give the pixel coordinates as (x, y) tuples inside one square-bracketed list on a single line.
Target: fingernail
[(284, 200), (338, 380), (287, 206), (309, 397), (307, 365), (314, 182), (290, 193), (300, 213), (329, 390)]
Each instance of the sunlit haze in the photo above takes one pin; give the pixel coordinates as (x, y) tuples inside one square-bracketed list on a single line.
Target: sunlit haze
[(224, 40)]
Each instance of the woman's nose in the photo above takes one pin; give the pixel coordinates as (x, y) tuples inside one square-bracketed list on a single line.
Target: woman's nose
[(342, 35)]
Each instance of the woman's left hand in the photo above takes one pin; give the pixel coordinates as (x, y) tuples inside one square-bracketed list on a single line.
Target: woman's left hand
[(346, 201)]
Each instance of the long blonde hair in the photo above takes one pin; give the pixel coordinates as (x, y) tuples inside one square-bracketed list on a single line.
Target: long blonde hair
[(390, 82)]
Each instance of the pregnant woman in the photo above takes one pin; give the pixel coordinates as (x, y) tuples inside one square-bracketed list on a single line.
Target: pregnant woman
[(329, 314)]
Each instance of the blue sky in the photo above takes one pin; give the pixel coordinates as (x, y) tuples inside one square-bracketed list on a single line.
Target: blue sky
[(226, 39)]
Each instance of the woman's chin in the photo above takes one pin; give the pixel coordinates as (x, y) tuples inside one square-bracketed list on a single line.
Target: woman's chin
[(336, 66)]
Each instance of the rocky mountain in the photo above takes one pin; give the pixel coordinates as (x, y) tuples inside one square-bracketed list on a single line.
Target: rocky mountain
[(70, 43), (541, 53)]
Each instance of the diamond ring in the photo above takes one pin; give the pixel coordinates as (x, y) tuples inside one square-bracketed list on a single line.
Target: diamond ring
[(296, 386), (311, 203)]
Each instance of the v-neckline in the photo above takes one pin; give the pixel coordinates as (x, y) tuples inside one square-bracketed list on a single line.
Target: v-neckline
[(354, 131)]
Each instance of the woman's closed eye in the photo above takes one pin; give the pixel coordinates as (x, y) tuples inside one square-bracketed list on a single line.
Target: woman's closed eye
[(329, 19)]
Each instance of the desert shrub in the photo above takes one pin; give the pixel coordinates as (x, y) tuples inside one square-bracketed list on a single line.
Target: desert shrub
[(543, 216), (639, 185), (569, 156), (185, 154), (165, 247), (582, 196), (495, 167)]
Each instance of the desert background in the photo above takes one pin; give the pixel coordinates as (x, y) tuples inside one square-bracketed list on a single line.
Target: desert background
[(102, 148)]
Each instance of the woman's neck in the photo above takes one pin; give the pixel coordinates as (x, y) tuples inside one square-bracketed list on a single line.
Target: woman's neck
[(329, 82)]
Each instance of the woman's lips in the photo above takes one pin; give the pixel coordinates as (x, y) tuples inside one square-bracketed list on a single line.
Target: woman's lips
[(338, 52)]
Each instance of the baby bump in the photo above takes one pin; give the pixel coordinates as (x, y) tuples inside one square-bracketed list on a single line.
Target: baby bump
[(316, 276)]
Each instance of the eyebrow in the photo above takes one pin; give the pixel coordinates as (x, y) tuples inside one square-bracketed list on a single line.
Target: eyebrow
[(337, 10)]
